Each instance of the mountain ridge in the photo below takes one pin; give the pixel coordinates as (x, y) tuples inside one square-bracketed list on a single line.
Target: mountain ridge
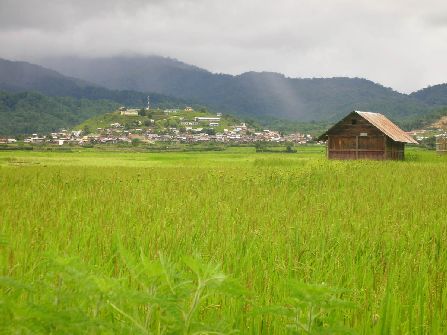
[(21, 76), (265, 96), (36, 99), (250, 94)]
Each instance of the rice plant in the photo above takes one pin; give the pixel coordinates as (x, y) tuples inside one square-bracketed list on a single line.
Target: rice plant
[(179, 243)]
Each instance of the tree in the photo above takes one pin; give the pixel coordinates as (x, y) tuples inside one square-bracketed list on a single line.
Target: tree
[(260, 146), (210, 131), (173, 123), (86, 130), (429, 143), (290, 147)]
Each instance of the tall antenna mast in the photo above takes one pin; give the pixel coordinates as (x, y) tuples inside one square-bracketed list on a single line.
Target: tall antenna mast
[(148, 103)]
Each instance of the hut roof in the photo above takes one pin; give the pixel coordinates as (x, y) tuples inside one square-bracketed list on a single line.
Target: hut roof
[(382, 123)]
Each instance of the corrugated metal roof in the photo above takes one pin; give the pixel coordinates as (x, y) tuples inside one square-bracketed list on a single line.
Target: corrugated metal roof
[(387, 127)]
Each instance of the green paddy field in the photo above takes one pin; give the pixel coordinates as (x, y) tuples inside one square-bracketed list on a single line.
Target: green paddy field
[(222, 242)]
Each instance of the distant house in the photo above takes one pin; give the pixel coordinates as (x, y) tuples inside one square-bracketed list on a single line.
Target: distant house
[(365, 135), (129, 112), (189, 123), (206, 119), (189, 109)]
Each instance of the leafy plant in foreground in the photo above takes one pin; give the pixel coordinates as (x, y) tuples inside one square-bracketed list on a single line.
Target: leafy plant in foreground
[(176, 296), (308, 309), (165, 299)]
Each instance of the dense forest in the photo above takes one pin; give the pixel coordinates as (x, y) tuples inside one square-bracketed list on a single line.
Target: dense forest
[(28, 112), (433, 95)]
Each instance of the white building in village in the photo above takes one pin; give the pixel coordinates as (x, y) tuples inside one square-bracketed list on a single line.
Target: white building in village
[(206, 119)]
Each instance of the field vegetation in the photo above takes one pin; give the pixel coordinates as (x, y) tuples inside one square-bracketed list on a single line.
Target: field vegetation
[(222, 242)]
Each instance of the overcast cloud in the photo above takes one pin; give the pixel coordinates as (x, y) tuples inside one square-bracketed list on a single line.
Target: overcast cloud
[(398, 43)]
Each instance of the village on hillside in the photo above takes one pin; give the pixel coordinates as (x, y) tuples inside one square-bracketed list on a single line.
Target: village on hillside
[(149, 126)]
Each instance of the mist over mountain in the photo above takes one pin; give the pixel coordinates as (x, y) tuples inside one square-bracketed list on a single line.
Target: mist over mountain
[(24, 76), (253, 94)]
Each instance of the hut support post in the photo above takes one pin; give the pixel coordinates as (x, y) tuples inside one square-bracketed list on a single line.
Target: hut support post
[(385, 144), (356, 147)]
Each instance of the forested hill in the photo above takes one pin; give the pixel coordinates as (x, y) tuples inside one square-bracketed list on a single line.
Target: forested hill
[(37, 99), (433, 95), (25, 113), (23, 76), (253, 94)]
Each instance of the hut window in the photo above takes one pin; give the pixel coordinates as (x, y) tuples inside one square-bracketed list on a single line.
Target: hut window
[(353, 121)]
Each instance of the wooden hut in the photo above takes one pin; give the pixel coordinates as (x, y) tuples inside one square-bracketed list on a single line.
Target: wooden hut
[(365, 135), (441, 145)]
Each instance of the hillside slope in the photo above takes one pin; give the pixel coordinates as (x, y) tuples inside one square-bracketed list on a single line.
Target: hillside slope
[(23, 76), (25, 113), (260, 95), (434, 95)]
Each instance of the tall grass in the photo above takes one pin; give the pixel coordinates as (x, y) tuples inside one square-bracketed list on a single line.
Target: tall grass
[(294, 236)]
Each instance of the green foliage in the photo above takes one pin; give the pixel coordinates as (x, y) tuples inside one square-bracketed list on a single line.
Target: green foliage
[(136, 142), (429, 143), (26, 113), (289, 148), (376, 229), (308, 309), (69, 298), (86, 130), (209, 131), (423, 120), (434, 95), (260, 146)]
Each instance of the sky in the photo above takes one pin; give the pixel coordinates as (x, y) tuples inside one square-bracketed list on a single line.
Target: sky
[(398, 43)]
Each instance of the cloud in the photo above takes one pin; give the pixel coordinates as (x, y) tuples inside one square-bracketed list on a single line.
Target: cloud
[(438, 20), (398, 43)]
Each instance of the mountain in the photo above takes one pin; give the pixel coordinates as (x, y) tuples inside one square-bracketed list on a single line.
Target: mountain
[(262, 95), (30, 112), (274, 100), (37, 99), (433, 95), (23, 76)]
